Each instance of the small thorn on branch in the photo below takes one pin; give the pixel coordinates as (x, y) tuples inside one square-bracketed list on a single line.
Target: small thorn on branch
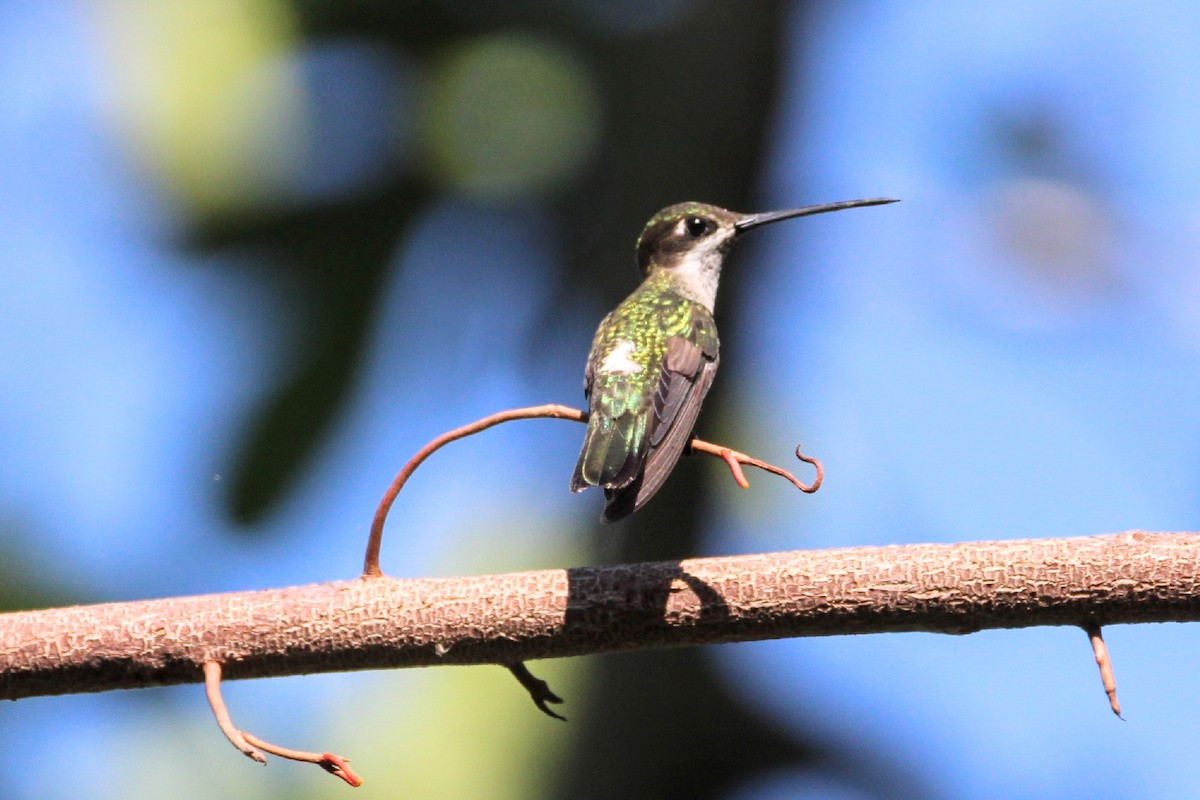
[(735, 467), (254, 748), (539, 690), (1104, 662)]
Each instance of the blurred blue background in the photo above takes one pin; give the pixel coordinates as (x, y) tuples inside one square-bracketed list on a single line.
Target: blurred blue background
[(254, 253)]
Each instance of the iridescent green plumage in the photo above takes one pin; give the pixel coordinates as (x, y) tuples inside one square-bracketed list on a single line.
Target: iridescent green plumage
[(654, 356), (634, 405)]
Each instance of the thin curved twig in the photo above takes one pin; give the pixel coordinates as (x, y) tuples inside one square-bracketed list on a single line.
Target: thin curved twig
[(375, 540), (735, 460), (253, 747), (338, 766), (731, 457), (212, 689)]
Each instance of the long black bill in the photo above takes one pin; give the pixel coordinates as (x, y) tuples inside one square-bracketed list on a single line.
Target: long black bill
[(754, 220)]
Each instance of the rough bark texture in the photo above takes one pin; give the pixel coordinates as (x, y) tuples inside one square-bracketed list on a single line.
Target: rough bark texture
[(385, 622)]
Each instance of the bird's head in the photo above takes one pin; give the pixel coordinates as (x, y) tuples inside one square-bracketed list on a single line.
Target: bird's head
[(690, 240)]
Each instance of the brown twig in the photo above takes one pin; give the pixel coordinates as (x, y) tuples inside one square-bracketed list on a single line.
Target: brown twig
[(731, 457), (735, 460), (212, 689), (335, 765), (375, 540), (253, 747), (1104, 662)]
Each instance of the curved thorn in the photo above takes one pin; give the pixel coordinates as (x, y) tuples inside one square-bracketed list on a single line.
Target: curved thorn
[(539, 690), (1104, 662), (816, 462), (735, 466)]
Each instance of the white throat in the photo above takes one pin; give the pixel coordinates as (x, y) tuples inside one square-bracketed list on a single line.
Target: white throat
[(697, 275)]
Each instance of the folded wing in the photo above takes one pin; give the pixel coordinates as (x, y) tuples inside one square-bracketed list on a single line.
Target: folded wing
[(685, 376)]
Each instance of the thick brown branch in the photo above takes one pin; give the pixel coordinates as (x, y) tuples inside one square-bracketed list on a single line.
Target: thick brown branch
[(502, 619)]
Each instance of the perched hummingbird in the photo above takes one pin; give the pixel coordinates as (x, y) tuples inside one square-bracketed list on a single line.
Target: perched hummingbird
[(654, 356)]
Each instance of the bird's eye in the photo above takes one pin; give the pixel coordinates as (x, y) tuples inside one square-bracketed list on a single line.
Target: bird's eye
[(697, 226)]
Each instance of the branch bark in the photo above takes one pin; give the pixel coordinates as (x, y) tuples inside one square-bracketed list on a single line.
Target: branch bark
[(381, 622)]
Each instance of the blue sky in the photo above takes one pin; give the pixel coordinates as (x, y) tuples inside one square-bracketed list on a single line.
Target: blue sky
[(1010, 352)]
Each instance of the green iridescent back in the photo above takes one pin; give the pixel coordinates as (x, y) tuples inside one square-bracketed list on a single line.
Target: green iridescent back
[(622, 402)]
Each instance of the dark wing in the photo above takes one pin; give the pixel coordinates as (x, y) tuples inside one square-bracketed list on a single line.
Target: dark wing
[(686, 375)]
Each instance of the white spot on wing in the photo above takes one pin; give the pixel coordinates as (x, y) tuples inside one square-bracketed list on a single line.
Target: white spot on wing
[(618, 360)]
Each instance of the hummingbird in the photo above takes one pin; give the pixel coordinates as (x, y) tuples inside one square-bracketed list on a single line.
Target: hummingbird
[(654, 356)]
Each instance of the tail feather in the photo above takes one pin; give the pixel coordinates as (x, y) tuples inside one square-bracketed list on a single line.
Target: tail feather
[(612, 453), (620, 503)]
